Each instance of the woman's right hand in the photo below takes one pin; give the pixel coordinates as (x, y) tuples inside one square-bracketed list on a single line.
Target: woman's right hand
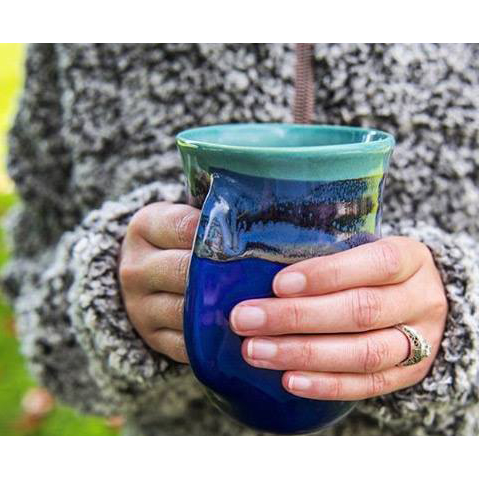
[(154, 260)]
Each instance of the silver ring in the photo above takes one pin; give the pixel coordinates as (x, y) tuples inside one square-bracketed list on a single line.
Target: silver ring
[(419, 348)]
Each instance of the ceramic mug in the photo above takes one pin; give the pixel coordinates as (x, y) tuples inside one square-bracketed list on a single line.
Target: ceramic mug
[(270, 195)]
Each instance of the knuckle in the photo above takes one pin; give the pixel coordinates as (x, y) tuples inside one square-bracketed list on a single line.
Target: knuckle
[(373, 356), (294, 315), (387, 258), (365, 308), (377, 384), (157, 341), (335, 272), (179, 308), (333, 387), (185, 226), (139, 221), (180, 348), (127, 273), (182, 266), (425, 251), (138, 321), (169, 343), (306, 355), (439, 304)]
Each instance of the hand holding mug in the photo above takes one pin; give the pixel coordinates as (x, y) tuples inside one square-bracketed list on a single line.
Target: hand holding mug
[(153, 266), (331, 326)]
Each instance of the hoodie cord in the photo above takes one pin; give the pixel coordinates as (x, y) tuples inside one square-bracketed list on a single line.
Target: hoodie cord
[(304, 83)]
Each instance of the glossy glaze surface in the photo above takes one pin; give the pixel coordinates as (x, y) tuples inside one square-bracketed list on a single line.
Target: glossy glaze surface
[(252, 226), (251, 395)]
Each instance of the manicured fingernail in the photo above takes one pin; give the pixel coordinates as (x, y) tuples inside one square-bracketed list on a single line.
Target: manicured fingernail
[(247, 317), (290, 283), (299, 383), (261, 349)]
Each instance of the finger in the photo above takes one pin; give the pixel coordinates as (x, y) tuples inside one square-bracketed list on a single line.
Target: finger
[(159, 270), (169, 342), (165, 225), (157, 311), (350, 386), (386, 261), (359, 353), (349, 311)]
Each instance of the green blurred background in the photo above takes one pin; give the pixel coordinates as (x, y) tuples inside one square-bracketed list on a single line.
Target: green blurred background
[(25, 408)]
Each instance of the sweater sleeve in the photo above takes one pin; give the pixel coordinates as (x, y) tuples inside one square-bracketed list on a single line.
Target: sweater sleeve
[(446, 401), (71, 322), (67, 230)]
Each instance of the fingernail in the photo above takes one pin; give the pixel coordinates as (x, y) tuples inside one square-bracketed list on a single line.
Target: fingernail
[(290, 283), (261, 349), (299, 383), (247, 317)]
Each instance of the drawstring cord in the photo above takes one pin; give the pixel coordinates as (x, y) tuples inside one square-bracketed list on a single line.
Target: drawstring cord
[(304, 84)]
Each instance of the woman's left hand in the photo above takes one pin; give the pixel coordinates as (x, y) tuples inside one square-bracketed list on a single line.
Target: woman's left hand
[(331, 326)]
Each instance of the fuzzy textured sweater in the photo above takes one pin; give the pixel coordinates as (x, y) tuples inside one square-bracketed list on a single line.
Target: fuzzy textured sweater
[(93, 142)]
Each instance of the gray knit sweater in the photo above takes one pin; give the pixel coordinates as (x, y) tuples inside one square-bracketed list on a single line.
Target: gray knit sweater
[(93, 142)]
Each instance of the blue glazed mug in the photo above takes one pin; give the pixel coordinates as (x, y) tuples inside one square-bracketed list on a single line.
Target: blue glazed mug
[(270, 195)]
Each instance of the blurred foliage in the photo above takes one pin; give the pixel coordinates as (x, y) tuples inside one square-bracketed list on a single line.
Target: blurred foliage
[(26, 409)]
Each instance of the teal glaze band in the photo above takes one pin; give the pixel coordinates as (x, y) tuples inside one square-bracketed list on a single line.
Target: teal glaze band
[(288, 151)]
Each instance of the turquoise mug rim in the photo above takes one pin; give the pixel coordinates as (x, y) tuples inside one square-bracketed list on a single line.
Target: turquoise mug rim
[(353, 159), (187, 137)]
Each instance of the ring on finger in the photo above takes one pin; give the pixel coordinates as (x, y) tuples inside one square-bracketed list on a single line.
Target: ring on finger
[(419, 348)]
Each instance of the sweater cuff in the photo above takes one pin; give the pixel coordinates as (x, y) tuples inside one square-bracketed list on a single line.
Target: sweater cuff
[(122, 365), (445, 402)]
